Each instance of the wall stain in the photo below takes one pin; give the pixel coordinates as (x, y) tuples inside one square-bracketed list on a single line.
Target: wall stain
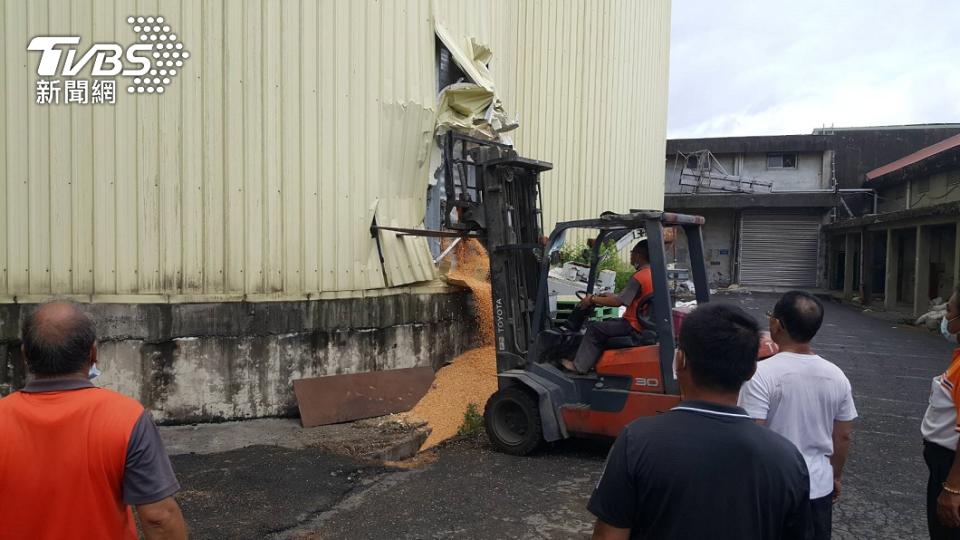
[(250, 353)]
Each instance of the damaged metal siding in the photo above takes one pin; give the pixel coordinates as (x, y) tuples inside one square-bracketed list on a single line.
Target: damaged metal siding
[(258, 173), (588, 80)]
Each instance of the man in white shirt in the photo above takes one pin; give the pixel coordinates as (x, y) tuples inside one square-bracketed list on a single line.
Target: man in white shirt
[(940, 428), (807, 399)]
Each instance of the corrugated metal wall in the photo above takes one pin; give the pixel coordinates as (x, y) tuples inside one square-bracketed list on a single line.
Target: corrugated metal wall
[(294, 123), (588, 80)]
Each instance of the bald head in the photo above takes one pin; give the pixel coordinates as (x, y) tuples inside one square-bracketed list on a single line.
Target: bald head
[(801, 315), (58, 339)]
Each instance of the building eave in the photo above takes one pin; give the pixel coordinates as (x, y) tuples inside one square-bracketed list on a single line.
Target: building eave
[(740, 201), (945, 160), (752, 145), (944, 210)]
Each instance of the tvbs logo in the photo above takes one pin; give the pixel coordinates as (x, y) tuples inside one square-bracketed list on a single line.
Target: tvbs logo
[(150, 63), (107, 58)]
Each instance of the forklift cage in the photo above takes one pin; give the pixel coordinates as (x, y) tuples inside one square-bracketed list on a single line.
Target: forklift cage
[(612, 227)]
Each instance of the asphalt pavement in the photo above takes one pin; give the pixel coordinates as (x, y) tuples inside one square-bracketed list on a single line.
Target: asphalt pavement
[(470, 491)]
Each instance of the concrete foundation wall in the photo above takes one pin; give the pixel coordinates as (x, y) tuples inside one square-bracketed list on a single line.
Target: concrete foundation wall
[(211, 362)]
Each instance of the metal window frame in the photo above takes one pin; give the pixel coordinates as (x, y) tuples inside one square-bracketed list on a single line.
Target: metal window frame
[(796, 160)]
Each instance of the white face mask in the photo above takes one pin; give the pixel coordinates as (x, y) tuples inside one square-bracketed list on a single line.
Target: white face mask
[(93, 373), (945, 329)]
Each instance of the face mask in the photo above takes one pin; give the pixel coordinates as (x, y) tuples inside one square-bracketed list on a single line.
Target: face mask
[(93, 373), (675, 355), (945, 329)]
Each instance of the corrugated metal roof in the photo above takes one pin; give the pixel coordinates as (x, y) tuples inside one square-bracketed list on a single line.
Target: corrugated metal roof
[(915, 157)]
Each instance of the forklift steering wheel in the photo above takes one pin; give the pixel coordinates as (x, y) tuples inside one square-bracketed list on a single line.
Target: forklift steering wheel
[(646, 322), (578, 316)]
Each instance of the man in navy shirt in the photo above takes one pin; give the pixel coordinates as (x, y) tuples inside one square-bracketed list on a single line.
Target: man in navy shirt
[(705, 469)]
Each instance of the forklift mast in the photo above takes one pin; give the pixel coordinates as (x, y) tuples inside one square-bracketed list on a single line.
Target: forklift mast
[(493, 192)]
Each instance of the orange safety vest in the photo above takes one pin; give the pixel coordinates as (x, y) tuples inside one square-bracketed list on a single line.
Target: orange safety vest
[(62, 459), (645, 278)]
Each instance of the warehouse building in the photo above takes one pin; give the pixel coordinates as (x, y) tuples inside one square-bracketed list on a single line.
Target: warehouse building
[(764, 199), (768, 199), (906, 253), (218, 224)]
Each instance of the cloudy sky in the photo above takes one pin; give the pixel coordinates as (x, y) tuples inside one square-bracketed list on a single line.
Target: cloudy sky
[(764, 67)]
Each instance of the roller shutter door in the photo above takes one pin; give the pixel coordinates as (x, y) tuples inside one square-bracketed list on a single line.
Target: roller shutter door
[(779, 250)]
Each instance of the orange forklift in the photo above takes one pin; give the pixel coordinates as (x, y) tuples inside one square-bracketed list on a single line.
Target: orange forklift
[(493, 193)]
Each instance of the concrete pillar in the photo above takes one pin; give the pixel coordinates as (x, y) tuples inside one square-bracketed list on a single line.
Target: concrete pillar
[(893, 272), (848, 267), (866, 267), (921, 282)]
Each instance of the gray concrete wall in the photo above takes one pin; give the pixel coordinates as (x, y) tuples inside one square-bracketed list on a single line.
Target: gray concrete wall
[(211, 362), (861, 150), (908, 266), (824, 255), (812, 172), (942, 244), (671, 175), (672, 172), (808, 174), (892, 199), (728, 162), (718, 240), (944, 187)]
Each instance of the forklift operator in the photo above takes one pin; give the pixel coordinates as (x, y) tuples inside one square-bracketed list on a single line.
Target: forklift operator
[(594, 340)]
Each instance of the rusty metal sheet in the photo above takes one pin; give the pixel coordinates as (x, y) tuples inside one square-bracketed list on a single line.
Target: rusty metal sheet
[(915, 157), (342, 398)]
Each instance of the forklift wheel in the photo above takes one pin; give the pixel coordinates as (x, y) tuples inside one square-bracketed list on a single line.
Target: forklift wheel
[(512, 419)]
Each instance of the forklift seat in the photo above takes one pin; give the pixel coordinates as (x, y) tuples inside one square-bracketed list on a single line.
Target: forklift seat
[(637, 339)]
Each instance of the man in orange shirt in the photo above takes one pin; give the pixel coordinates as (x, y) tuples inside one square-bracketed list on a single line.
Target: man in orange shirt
[(74, 456), (941, 430), (638, 288)]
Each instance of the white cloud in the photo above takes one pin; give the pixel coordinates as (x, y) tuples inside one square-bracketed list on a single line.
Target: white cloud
[(753, 67)]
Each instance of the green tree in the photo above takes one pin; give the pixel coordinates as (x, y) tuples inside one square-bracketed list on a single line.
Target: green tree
[(609, 260)]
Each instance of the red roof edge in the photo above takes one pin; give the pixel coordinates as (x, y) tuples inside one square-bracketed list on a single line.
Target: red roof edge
[(915, 157)]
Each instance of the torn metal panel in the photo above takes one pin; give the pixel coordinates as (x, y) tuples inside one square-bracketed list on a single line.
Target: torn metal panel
[(406, 258), (464, 106), (470, 55), (342, 398), (406, 134), (471, 107)]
